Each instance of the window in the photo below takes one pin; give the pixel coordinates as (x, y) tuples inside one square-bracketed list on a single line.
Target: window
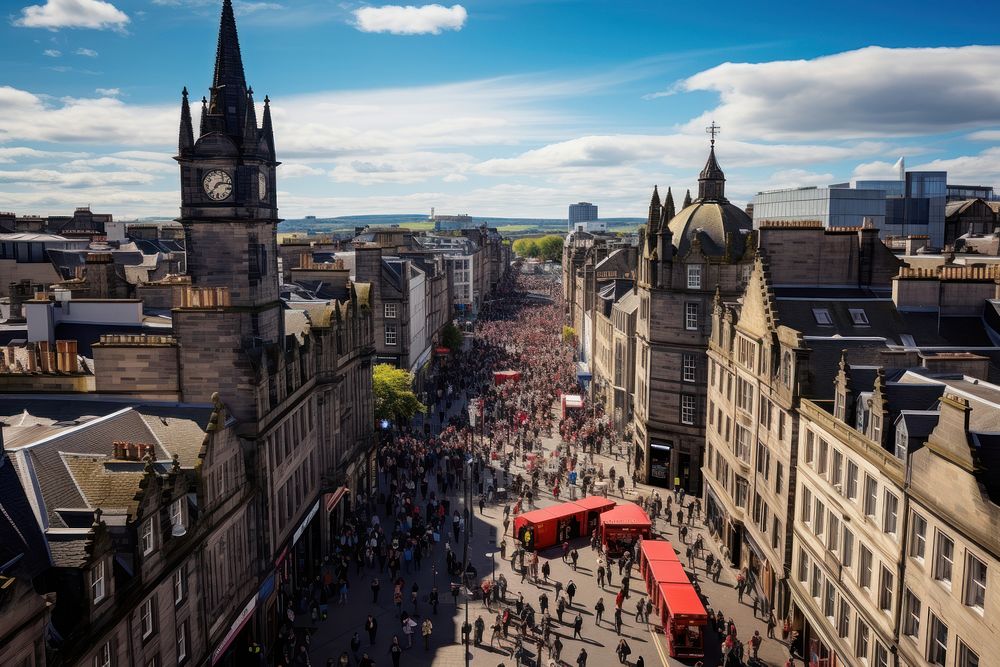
[(180, 585), (871, 492), (691, 316), (944, 552), (937, 641), (819, 518), (833, 533), (829, 597), (390, 334), (805, 513), (103, 657), (839, 406), (182, 642), (779, 473), (889, 513), (847, 555), (763, 459), (817, 582), (822, 316), (765, 413), (821, 461), (688, 403), (146, 618), (803, 566), (881, 655), (97, 582), (146, 537), (744, 394), (694, 276), (775, 533), (858, 316), (911, 614), (810, 446), (902, 441), (966, 656), (843, 617), (390, 310), (886, 582), (865, 574), (689, 366), (743, 442), (852, 480), (861, 642), (177, 513), (837, 471), (877, 428), (975, 582)]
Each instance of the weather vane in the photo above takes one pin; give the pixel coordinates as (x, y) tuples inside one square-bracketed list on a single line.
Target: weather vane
[(713, 130)]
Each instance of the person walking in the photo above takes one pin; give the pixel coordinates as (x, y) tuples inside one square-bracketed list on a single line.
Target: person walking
[(618, 620), (598, 611), (755, 643), (623, 651), (356, 648), (560, 607), (543, 602), (557, 647), (772, 622), (426, 629), (546, 569), (577, 626), (600, 575), (571, 591), (371, 627), (375, 586), (395, 650), (479, 627), (408, 625), (574, 556), (433, 599), (581, 659)]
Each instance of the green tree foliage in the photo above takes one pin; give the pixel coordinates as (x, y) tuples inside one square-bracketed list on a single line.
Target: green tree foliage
[(526, 247), (568, 334), (550, 248), (394, 397), (451, 337)]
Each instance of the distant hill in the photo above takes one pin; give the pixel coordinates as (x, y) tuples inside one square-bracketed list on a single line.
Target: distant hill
[(417, 222)]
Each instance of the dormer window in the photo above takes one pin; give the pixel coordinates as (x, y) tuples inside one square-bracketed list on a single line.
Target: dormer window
[(97, 590), (858, 316), (146, 537), (694, 276), (902, 441), (177, 523), (822, 316)]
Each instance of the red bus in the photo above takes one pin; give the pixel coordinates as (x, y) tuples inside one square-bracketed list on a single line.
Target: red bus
[(621, 526)]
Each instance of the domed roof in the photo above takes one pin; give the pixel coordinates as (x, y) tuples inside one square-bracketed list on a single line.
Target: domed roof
[(711, 222)]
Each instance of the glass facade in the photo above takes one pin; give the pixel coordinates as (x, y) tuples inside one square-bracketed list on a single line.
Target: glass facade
[(582, 212)]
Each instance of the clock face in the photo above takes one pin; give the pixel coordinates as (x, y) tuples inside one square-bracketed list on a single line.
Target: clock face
[(218, 185), (262, 185)]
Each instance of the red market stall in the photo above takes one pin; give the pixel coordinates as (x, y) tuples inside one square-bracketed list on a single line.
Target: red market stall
[(501, 377), (542, 528), (591, 509), (684, 620), (571, 402), (663, 572), (655, 550), (621, 526)]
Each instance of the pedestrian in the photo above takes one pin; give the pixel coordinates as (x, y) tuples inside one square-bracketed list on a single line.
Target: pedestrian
[(433, 599), (640, 607), (581, 660), (426, 629), (371, 627), (756, 605), (565, 551), (408, 625), (689, 552), (618, 620), (356, 648), (366, 661), (546, 569), (480, 627), (543, 602), (598, 611), (574, 556), (375, 586), (395, 650), (577, 626), (772, 622), (482, 505), (755, 643), (343, 661), (571, 591), (600, 575), (557, 647), (560, 607), (623, 651)]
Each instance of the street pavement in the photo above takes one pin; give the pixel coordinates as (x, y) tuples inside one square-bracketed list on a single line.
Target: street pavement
[(333, 635)]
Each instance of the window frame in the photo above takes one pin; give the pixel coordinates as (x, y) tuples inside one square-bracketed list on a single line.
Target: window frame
[(689, 368), (180, 585), (935, 624), (97, 575), (694, 276), (146, 538), (394, 310), (689, 409), (972, 584), (147, 615), (940, 539), (691, 315), (394, 333)]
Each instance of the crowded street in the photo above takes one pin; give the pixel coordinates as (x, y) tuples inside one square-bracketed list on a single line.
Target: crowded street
[(437, 568)]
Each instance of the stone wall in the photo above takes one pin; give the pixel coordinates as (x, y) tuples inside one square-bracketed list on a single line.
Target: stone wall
[(137, 364)]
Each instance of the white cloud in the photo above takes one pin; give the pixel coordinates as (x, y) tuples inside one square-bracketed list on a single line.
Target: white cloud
[(89, 53), (50, 177), (246, 8), (108, 92), (985, 135), (52, 53), (415, 167), (410, 20), (455, 178), (877, 170), (56, 14), (981, 169), (20, 153), (298, 170), (870, 92)]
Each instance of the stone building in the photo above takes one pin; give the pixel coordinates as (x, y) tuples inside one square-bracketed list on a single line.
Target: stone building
[(180, 512), (703, 250)]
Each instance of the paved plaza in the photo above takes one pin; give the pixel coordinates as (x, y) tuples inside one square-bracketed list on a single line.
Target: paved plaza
[(332, 636)]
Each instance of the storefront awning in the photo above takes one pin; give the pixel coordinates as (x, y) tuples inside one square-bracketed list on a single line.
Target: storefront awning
[(331, 500), (234, 629)]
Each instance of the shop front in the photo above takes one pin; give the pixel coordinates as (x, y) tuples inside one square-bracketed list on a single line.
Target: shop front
[(660, 463)]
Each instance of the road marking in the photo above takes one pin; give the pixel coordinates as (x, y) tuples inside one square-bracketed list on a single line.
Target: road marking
[(659, 649)]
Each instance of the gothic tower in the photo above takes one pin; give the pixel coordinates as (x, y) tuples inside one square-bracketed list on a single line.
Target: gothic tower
[(229, 215)]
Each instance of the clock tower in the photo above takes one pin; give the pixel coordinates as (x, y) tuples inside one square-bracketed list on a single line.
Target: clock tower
[(230, 216)]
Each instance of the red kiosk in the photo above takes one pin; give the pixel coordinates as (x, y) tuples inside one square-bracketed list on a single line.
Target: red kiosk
[(541, 528), (500, 377), (570, 402), (621, 527), (684, 620), (654, 550)]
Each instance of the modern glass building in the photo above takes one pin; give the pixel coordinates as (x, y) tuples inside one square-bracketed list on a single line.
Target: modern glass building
[(582, 212), (913, 206)]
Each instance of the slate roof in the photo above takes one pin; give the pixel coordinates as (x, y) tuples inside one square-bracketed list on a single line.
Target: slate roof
[(104, 483), (20, 534), (711, 222)]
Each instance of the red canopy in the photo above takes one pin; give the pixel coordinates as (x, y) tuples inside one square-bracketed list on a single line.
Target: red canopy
[(668, 572), (653, 550), (626, 514), (441, 350), (682, 600), (599, 503)]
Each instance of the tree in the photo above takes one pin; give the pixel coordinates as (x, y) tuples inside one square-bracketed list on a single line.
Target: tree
[(394, 397), (451, 337), (526, 247), (550, 248), (568, 334)]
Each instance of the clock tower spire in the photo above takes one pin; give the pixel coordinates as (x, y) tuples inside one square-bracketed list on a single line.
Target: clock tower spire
[(230, 217)]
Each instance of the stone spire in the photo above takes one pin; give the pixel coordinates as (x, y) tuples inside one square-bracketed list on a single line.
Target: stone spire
[(203, 126), (228, 103), (711, 181), (266, 131), (250, 123), (687, 200), (653, 219), (668, 210), (185, 139)]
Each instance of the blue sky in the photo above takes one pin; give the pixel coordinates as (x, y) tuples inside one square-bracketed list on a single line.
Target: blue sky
[(500, 107)]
